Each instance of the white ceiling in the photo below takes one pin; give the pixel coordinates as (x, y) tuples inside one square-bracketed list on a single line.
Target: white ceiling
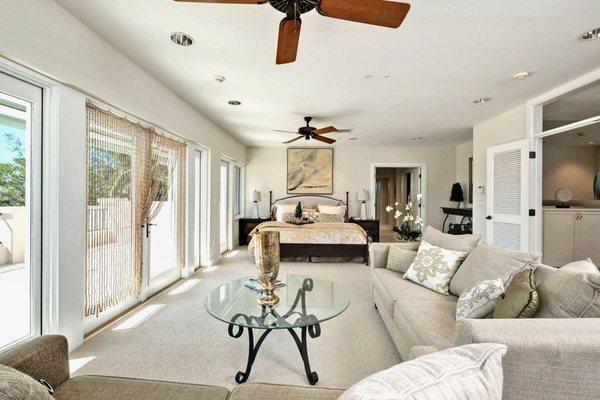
[(445, 55)]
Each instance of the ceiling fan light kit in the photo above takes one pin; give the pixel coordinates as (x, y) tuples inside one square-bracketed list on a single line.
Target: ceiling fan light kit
[(385, 13)]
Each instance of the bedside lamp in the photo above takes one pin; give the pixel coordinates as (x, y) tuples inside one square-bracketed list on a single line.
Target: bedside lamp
[(255, 197), (363, 196)]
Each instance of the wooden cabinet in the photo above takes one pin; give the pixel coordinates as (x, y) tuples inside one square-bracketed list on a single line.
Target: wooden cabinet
[(570, 235), (371, 226), (247, 225)]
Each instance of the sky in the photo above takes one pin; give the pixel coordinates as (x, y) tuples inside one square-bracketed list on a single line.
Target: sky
[(6, 153)]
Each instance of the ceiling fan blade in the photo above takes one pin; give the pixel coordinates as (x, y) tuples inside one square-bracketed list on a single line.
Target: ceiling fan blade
[(324, 131), (293, 140), (324, 139), (223, 1), (289, 37), (385, 13), (279, 130)]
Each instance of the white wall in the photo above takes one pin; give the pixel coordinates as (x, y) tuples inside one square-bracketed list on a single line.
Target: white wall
[(46, 38), (504, 128), (267, 170), (571, 167)]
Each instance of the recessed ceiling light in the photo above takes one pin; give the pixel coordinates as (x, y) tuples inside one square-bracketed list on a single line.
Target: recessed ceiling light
[(368, 76), (352, 138), (591, 35), (219, 79), (386, 76), (417, 139), (593, 142), (182, 39), (482, 100), (234, 103), (520, 76)]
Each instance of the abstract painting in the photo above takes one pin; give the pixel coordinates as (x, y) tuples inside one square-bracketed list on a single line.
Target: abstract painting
[(310, 171)]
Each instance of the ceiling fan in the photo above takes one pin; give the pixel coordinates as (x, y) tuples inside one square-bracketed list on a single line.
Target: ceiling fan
[(308, 132), (384, 13)]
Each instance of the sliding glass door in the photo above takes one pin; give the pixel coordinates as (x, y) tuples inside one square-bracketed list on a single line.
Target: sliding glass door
[(20, 210)]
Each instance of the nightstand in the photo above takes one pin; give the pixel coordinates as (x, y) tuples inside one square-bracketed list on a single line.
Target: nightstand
[(371, 226), (247, 225)]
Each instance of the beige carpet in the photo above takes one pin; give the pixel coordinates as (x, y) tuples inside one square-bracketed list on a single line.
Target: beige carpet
[(182, 342)]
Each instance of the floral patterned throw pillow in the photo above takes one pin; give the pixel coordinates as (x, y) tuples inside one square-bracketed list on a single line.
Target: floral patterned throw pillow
[(434, 267), (479, 301)]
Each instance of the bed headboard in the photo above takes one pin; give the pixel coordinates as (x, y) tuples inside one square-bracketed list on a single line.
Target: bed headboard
[(309, 201)]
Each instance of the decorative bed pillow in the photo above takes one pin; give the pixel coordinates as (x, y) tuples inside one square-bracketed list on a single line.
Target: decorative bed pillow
[(473, 371), (310, 214), (283, 209), (520, 299), (325, 218), (18, 386), (399, 259), (464, 243), (341, 210), (479, 301), (573, 291), (434, 267), (487, 262), (289, 217)]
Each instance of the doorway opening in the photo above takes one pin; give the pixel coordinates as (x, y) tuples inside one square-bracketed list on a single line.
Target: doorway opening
[(396, 183)]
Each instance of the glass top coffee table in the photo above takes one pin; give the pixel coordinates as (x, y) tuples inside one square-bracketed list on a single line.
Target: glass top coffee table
[(304, 304)]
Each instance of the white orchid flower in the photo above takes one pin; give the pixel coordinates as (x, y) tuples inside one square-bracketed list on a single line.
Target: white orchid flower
[(389, 208), (398, 214), (419, 196), (411, 218), (406, 219), (396, 204)]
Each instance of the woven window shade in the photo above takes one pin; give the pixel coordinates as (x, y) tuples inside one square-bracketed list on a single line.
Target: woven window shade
[(130, 171)]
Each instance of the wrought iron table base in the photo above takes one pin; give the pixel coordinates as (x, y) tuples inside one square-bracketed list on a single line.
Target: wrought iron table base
[(301, 341)]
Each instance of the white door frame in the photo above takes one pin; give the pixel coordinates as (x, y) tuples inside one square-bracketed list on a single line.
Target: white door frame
[(536, 134), (422, 166)]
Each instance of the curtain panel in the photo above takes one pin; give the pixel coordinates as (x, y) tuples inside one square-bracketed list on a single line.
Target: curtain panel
[(130, 171)]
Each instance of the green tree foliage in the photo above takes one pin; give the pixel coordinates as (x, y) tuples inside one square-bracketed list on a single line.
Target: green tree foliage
[(109, 175), (12, 175)]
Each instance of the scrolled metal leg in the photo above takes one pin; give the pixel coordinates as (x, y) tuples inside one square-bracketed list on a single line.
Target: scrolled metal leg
[(242, 377), (314, 331)]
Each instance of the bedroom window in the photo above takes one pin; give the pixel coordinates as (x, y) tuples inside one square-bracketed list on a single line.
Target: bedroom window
[(238, 174)]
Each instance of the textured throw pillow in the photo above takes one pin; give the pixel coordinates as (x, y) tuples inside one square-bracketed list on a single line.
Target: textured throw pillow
[(433, 267), (520, 299), (464, 243), (288, 217), (479, 301), (283, 209), (487, 262), (15, 385), (341, 210), (310, 214), (467, 372), (330, 218), (573, 291), (399, 259)]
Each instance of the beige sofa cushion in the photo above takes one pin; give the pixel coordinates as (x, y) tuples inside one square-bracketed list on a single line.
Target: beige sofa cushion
[(390, 286), (489, 262), (467, 372), (379, 252), (573, 291), (426, 322), (15, 385), (521, 299), (104, 388), (464, 243), (399, 259), (263, 391)]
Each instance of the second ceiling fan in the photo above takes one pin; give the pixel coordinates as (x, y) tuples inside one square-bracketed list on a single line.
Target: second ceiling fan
[(384, 13)]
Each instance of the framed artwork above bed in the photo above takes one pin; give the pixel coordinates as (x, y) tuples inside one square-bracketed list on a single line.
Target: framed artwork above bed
[(310, 171)]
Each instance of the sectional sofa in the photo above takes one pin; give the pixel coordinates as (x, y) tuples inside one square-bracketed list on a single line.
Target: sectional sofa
[(546, 359)]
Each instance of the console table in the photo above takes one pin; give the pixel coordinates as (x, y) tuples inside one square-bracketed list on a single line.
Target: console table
[(461, 212)]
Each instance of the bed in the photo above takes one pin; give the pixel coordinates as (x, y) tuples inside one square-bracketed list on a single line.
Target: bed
[(335, 241)]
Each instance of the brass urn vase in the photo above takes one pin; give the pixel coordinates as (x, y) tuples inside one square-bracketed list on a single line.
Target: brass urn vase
[(266, 256)]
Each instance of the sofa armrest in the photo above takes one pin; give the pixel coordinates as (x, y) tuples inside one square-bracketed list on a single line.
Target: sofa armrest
[(546, 358), (45, 357), (378, 252)]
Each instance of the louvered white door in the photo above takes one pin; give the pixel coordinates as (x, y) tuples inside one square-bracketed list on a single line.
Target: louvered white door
[(507, 196)]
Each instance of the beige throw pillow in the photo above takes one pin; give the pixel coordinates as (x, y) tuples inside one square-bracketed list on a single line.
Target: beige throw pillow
[(330, 218), (520, 300), (573, 291), (434, 267), (479, 301), (464, 243), (487, 262), (467, 372), (15, 385), (399, 259)]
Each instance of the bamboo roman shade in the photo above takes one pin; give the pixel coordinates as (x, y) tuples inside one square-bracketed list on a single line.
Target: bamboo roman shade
[(130, 171)]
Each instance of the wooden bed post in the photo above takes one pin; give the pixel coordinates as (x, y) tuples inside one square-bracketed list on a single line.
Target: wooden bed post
[(270, 204), (347, 205)]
